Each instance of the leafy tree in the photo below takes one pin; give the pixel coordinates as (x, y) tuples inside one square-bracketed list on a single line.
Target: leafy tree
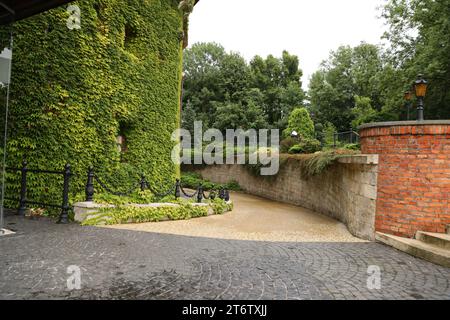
[(223, 91), (328, 132), (235, 116), (202, 68), (244, 114), (189, 117), (348, 73), (213, 79), (363, 111), (279, 79), (420, 43), (234, 75)]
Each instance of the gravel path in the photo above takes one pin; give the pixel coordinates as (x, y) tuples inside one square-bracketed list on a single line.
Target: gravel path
[(256, 219)]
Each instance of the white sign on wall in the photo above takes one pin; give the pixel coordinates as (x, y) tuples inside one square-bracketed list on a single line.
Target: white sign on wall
[(5, 66)]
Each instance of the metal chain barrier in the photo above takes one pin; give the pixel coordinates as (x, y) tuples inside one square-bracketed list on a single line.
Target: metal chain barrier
[(176, 189), (162, 195), (119, 194), (212, 195), (188, 195)]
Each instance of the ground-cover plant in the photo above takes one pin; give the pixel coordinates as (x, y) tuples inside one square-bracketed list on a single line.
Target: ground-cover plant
[(133, 214)]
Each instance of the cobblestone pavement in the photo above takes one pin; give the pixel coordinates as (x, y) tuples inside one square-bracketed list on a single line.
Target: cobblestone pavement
[(121, 264)]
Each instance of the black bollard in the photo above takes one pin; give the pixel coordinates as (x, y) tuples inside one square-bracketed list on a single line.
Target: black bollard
[(200, 193), (227, 195), (177, 189), (64, 217), (221, 193), (90, 185)]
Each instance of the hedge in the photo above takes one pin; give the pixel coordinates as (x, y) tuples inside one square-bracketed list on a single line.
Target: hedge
[(74, 91)]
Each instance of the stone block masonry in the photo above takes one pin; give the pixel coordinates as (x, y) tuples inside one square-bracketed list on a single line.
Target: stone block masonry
[(346, 191), (400, 185), (413, 175)]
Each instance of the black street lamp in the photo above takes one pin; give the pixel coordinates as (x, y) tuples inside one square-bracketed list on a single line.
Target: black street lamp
[(420, 88), (407, 97)]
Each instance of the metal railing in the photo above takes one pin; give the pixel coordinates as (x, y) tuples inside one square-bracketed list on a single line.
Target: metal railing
[(176, 190), (23, 200), (346, 137)]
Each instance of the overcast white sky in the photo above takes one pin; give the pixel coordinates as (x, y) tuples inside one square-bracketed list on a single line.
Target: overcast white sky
[(307, 28)]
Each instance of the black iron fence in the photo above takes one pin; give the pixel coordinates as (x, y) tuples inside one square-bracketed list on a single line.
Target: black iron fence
[(346, 137), (176, 189), (23, 201)]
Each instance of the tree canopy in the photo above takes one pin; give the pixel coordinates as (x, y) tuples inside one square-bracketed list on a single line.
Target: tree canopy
[(225, 92), (354, 85)]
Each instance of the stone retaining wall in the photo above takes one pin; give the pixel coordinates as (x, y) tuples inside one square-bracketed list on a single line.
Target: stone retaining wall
[(346, 191)]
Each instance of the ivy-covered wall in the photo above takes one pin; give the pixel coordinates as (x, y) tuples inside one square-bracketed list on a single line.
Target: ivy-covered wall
[(74, 91)]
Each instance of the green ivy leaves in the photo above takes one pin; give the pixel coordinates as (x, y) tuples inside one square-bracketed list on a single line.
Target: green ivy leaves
[(73, 89)]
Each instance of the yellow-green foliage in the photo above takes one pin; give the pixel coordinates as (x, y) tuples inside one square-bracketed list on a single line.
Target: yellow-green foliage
[(220, 206), (74, 91), (131, 214)]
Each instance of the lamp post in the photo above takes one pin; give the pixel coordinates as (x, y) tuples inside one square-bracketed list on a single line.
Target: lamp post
[(420, 88), (407, 97)]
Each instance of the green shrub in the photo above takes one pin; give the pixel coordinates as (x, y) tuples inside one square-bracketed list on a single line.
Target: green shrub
[(287, 143), (295, 149), (233, 186), (300, 121), (306, 146)]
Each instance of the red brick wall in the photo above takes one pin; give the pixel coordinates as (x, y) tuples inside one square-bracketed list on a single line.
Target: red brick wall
[(413, 179)]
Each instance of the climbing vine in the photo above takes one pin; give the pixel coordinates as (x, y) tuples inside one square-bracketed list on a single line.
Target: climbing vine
[(74, 91), (186, 6)]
